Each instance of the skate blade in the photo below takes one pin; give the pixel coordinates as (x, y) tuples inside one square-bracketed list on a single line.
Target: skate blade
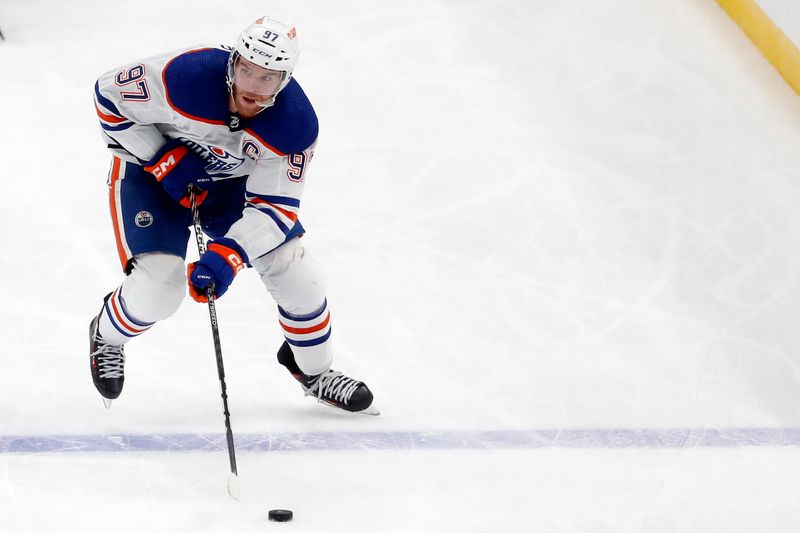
[(107, 403), (371, 410)]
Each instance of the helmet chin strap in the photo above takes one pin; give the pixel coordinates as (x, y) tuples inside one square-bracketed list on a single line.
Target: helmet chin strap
[(267, 103), (262, 105)]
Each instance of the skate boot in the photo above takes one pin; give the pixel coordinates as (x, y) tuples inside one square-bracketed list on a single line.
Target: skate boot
[(107, 362), (331, 387)]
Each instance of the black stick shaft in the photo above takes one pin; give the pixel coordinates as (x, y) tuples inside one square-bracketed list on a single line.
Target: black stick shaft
[(212, 313)]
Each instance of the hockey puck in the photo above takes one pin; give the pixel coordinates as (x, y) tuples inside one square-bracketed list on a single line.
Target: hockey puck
[(280, 515)]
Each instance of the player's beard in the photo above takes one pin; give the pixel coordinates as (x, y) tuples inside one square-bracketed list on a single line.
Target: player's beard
[(247, 104)]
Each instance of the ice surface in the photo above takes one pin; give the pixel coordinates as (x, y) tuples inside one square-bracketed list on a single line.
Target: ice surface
[(561, 247)]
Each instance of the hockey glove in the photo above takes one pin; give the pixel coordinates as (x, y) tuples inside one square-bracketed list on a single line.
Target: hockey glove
[(176, 167), (216, 269)]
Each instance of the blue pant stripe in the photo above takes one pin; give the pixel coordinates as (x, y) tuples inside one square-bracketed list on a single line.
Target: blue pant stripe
[(114, 323), (304, 318), (128, 315), (312, 342)]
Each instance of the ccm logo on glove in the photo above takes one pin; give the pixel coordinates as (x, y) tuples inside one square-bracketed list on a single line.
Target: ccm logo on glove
[(235, 261), (176, 168), (166, 160), (216, 269), (162, 168)]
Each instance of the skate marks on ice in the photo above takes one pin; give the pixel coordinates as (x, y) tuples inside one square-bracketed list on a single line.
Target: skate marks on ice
[(411, 440)]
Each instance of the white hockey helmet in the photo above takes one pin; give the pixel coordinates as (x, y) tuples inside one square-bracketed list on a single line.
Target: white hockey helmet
[(268, 44)]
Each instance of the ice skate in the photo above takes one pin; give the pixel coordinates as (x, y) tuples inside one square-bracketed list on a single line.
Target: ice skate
[(331, 387), (107, 362)]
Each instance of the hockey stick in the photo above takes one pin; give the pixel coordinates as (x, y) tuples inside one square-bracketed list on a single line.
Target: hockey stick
[(233, 479)]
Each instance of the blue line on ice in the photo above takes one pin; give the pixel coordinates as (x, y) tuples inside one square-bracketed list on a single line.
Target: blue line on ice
[(409, 440)]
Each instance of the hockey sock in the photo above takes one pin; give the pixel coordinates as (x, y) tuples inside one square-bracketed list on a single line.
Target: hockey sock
[(117, 326), (309, 337)]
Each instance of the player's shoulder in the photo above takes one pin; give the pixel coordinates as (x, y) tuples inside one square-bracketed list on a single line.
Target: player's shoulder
[(194, 83), (290, 125)]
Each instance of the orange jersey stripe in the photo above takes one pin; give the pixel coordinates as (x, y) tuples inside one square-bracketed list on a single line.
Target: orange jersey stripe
[(312, 329), (123, 257), (291, 216), (109, 118)]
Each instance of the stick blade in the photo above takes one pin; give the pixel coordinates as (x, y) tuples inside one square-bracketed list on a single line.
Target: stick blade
[(234, 488)]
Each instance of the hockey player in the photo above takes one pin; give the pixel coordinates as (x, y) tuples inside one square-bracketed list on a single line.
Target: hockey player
[(233, 124)]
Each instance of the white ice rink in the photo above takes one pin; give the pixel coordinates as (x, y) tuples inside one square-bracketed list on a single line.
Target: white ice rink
[(561, 243)]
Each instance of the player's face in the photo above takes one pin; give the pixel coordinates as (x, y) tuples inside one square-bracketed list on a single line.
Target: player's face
[(253, 85)]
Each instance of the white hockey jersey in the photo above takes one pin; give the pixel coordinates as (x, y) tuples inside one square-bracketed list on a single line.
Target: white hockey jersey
[(184, 96)]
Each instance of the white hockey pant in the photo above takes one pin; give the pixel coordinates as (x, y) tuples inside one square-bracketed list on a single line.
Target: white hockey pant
[(296, 282), (156, 287), (152, 291)]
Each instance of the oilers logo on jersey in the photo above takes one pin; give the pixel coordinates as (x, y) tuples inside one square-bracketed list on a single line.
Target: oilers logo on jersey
[(220, 164)]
